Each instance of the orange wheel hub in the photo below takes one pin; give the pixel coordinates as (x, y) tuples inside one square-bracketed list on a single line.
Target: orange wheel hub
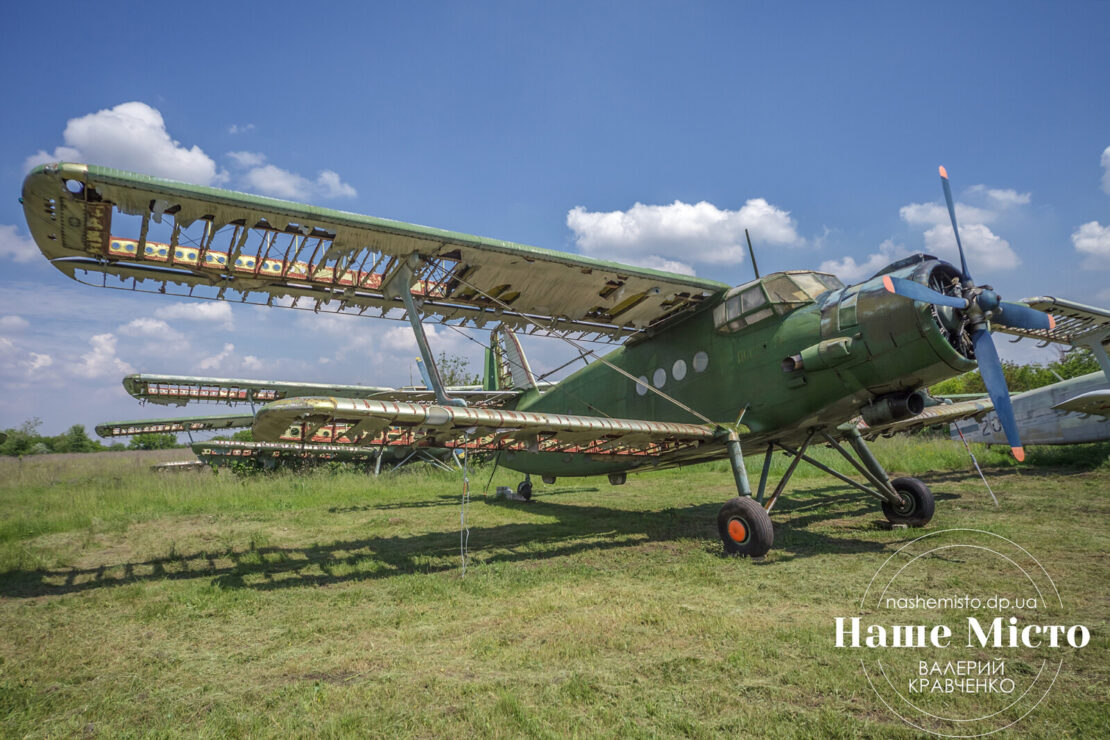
[(737, 531)]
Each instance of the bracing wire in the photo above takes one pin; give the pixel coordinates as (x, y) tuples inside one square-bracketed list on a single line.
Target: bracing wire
[(976, 462)]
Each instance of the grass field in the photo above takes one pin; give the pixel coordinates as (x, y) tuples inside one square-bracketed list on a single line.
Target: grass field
[(134, 603)]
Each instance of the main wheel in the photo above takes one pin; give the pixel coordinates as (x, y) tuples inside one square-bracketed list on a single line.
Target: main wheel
[(745, 528), (916, 508), (524, 490)]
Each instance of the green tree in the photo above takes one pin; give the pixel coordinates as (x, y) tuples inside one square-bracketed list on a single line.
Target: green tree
[(454, 370), (75, 440), (153, 441)]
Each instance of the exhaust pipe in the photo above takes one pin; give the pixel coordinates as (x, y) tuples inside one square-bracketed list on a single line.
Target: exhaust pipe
[(893, 407)]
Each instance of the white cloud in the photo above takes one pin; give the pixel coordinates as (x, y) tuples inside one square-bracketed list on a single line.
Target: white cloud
[(850, 271), (700, 233), (18, 364), (13, 323), (270, 179), (1093, 240), (250, 362), (19, 248), (984, 248), (1006, 198), (210, 311), (247, 159), (220, 359), (237, 129), (931, 214), (131, 136), (1106, 170), (101, 360)]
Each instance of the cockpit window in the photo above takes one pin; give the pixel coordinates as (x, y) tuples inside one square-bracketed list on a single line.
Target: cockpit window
[(775, 294)]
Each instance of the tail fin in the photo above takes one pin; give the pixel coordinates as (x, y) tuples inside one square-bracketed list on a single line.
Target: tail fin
[(506, 366)]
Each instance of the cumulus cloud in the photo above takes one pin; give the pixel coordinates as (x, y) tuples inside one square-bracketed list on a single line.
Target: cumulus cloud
[(270, 179), (131, 136), (18, 364), (17, 247), (237, 129), (1001, 198), (101, 360), (928, 214), (850, 271), (218, 359), (983, 247), (701, 232), (210, 311), (1106, 170), (1093, 240)]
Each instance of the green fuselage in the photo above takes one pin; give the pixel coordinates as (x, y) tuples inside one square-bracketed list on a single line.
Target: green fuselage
[(884, 344)]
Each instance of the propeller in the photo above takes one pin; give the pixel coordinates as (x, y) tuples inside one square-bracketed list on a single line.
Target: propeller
[(980, 304)]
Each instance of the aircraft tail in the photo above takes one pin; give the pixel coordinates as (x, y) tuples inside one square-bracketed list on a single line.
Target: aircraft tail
[(507, 367)]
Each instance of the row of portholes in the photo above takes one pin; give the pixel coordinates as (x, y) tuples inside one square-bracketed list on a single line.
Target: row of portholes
[(678, 372)]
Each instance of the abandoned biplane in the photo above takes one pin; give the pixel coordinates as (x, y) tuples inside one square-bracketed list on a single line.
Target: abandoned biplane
[(705, 370)]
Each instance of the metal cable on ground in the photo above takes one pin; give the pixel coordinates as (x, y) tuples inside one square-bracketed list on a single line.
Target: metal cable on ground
[(968, 448), (464, 531)]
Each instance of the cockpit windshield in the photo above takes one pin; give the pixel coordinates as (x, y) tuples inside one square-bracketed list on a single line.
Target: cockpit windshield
[(778, 293)]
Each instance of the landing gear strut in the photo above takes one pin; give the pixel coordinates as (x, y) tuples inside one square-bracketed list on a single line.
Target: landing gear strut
[(744, 522)]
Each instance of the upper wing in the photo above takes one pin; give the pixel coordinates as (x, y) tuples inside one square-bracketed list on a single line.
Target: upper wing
[(478, 428), (1075, 323), (92, 222), (187, 424), (181, 389), (1092, 402), (932, 415)]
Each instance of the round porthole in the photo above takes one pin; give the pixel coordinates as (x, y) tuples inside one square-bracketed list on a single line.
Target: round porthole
[(678, 370), (641, 385), (659, 378), (701, 361)]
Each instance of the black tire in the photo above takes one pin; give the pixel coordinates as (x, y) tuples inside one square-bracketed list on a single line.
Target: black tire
[(524, 490), (918, 504), (745, 528)]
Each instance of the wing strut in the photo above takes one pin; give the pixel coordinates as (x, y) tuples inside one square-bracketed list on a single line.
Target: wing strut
[(399, 285)]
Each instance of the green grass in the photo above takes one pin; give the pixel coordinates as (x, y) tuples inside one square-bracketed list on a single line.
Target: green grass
[(134, 603)]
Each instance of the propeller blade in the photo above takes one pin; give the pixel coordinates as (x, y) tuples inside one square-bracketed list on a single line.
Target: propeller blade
[(1021, 316), (923, 293), (952, 215), (990, 367)]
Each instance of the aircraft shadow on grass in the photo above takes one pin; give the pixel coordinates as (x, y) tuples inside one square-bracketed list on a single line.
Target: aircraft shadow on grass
[(576, 529)]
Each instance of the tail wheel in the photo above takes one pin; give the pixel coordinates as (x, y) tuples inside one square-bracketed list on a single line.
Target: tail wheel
[(917, 504), (524, 490), (745, 528)]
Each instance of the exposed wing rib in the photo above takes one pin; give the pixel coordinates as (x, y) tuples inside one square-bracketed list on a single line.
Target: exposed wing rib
[(487, 429), (1075, 323), (932, 415), (94, 222), (182, 389), (172, 426)]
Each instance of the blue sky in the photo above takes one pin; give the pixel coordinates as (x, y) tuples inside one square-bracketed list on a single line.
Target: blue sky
[(647, 132)]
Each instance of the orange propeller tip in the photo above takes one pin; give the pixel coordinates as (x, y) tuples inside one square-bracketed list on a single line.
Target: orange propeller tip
[(888, 283), (1051, 322), (943, 172), (1019, 453)]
